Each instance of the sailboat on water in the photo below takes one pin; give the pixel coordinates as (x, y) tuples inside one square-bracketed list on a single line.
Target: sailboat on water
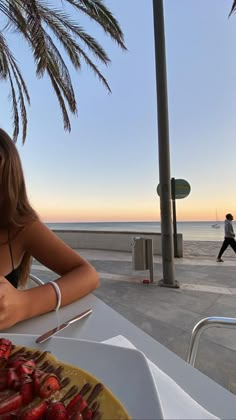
[(216, 225)]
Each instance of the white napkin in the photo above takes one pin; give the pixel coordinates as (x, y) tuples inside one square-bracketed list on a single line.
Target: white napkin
[(182, 405)]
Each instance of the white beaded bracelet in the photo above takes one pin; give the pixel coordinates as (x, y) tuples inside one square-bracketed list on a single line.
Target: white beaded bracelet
[(58, 293)]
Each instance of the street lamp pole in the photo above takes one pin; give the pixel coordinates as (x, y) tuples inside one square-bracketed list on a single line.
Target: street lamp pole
[(163, 145)]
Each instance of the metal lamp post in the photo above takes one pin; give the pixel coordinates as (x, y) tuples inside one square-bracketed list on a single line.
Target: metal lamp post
[(164, 152)]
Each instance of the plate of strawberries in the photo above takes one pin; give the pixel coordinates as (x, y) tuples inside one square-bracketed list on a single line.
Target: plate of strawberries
[(58, 380)]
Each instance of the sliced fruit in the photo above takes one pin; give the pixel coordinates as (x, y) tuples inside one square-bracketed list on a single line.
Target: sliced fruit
[(34, 412), (49, 383), (11, 403), (56, 410)]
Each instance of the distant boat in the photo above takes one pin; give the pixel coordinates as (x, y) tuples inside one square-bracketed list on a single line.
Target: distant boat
[(216, 224)]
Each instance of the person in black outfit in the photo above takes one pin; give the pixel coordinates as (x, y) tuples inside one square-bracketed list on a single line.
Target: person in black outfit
[(229, 237)]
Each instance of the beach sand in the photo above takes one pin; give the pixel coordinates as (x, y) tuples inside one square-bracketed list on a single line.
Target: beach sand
[(205, 249)]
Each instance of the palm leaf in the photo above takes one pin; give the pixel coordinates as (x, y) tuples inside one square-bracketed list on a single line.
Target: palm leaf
[(61, 101), (101, 14), (22, 103), (57, 22), (16, 16), (233, 8), (58, 68), (37, 21), (14, 109), (60, 24), (11, 71)]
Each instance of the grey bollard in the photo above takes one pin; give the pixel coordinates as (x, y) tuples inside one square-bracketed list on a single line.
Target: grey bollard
[(139, 253), (142, 253)]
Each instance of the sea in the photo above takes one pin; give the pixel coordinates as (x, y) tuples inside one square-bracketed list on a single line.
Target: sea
[(191, 231)]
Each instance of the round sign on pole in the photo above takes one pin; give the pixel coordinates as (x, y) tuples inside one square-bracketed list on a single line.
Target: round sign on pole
[(182, 189), (158, 190)]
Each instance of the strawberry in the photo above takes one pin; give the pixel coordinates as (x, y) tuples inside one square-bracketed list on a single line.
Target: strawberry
[(11, 403), (27, 389), (76, 406), (88, 414), (3, 379), (76, 416), (13, 415), (16, 361), (82, 405), (13, 379), (5, 394), (49, 383), (5, 348), (36, 375), (34, 412), (73, 403), (27, 367), (56, 410)]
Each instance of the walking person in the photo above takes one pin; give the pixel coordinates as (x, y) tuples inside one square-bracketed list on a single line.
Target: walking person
[(229, 237)]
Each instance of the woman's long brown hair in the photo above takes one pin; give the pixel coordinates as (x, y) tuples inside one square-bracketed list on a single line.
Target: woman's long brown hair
[(16, 211)]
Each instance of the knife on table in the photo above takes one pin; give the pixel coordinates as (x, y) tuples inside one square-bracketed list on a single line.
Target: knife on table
[(61, 327)]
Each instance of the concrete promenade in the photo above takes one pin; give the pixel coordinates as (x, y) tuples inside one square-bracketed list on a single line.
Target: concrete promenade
[(207, 288)]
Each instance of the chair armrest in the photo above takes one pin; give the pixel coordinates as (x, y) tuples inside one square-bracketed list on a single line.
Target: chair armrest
[(36, 280), (200, 327)]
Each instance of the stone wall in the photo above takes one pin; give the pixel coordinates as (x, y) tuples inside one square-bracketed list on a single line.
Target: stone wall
[(111, 240)]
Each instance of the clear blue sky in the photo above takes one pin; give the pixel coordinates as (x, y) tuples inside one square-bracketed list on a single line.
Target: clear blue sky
[(107, 167)]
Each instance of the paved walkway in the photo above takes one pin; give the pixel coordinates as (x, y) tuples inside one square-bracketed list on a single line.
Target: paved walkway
[(207, 288)]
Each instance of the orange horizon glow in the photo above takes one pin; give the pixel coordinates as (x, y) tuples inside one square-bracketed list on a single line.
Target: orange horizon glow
[(85, 219), (130, 211), (183, 214)]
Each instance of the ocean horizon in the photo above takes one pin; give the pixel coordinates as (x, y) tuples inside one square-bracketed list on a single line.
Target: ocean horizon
[(191, 231)]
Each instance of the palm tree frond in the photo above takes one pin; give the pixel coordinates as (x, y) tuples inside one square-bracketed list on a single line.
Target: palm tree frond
[(3, 62), (59, 70), (46, 28), (22, 103), (57, 24), (12, 72), (233, 8), (36, 35), (97, 11), (95, 69), (61, 101), (14, 109), (18, 75), (16, 17), (60, 24)]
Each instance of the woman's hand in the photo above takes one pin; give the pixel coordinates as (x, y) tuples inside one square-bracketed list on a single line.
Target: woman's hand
[(11, 304)]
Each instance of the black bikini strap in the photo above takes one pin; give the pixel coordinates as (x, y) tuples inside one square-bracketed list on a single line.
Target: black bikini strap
[(9, 244)]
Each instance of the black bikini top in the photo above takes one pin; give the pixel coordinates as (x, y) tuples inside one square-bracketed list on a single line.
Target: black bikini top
[(13, 276)]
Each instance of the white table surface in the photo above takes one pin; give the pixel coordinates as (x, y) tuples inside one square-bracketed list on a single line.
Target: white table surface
[(105, 323)]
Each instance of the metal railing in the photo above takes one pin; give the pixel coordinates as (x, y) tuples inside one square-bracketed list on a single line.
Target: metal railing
[(36, 280), (200, 327)]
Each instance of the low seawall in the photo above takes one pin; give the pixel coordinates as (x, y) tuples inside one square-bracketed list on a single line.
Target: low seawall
[(111, 240)]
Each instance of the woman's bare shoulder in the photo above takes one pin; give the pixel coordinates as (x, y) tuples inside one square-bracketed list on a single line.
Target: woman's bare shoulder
[(37, 233), (18, 233), (30, 228), (46, 247)]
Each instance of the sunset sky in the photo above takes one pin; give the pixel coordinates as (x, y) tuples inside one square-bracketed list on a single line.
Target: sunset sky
[(106, 169)]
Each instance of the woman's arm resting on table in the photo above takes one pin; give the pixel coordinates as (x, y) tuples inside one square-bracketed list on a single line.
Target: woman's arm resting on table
[(77, 278)]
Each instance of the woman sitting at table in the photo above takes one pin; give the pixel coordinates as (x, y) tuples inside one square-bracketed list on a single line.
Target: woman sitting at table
[(23, 236)]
